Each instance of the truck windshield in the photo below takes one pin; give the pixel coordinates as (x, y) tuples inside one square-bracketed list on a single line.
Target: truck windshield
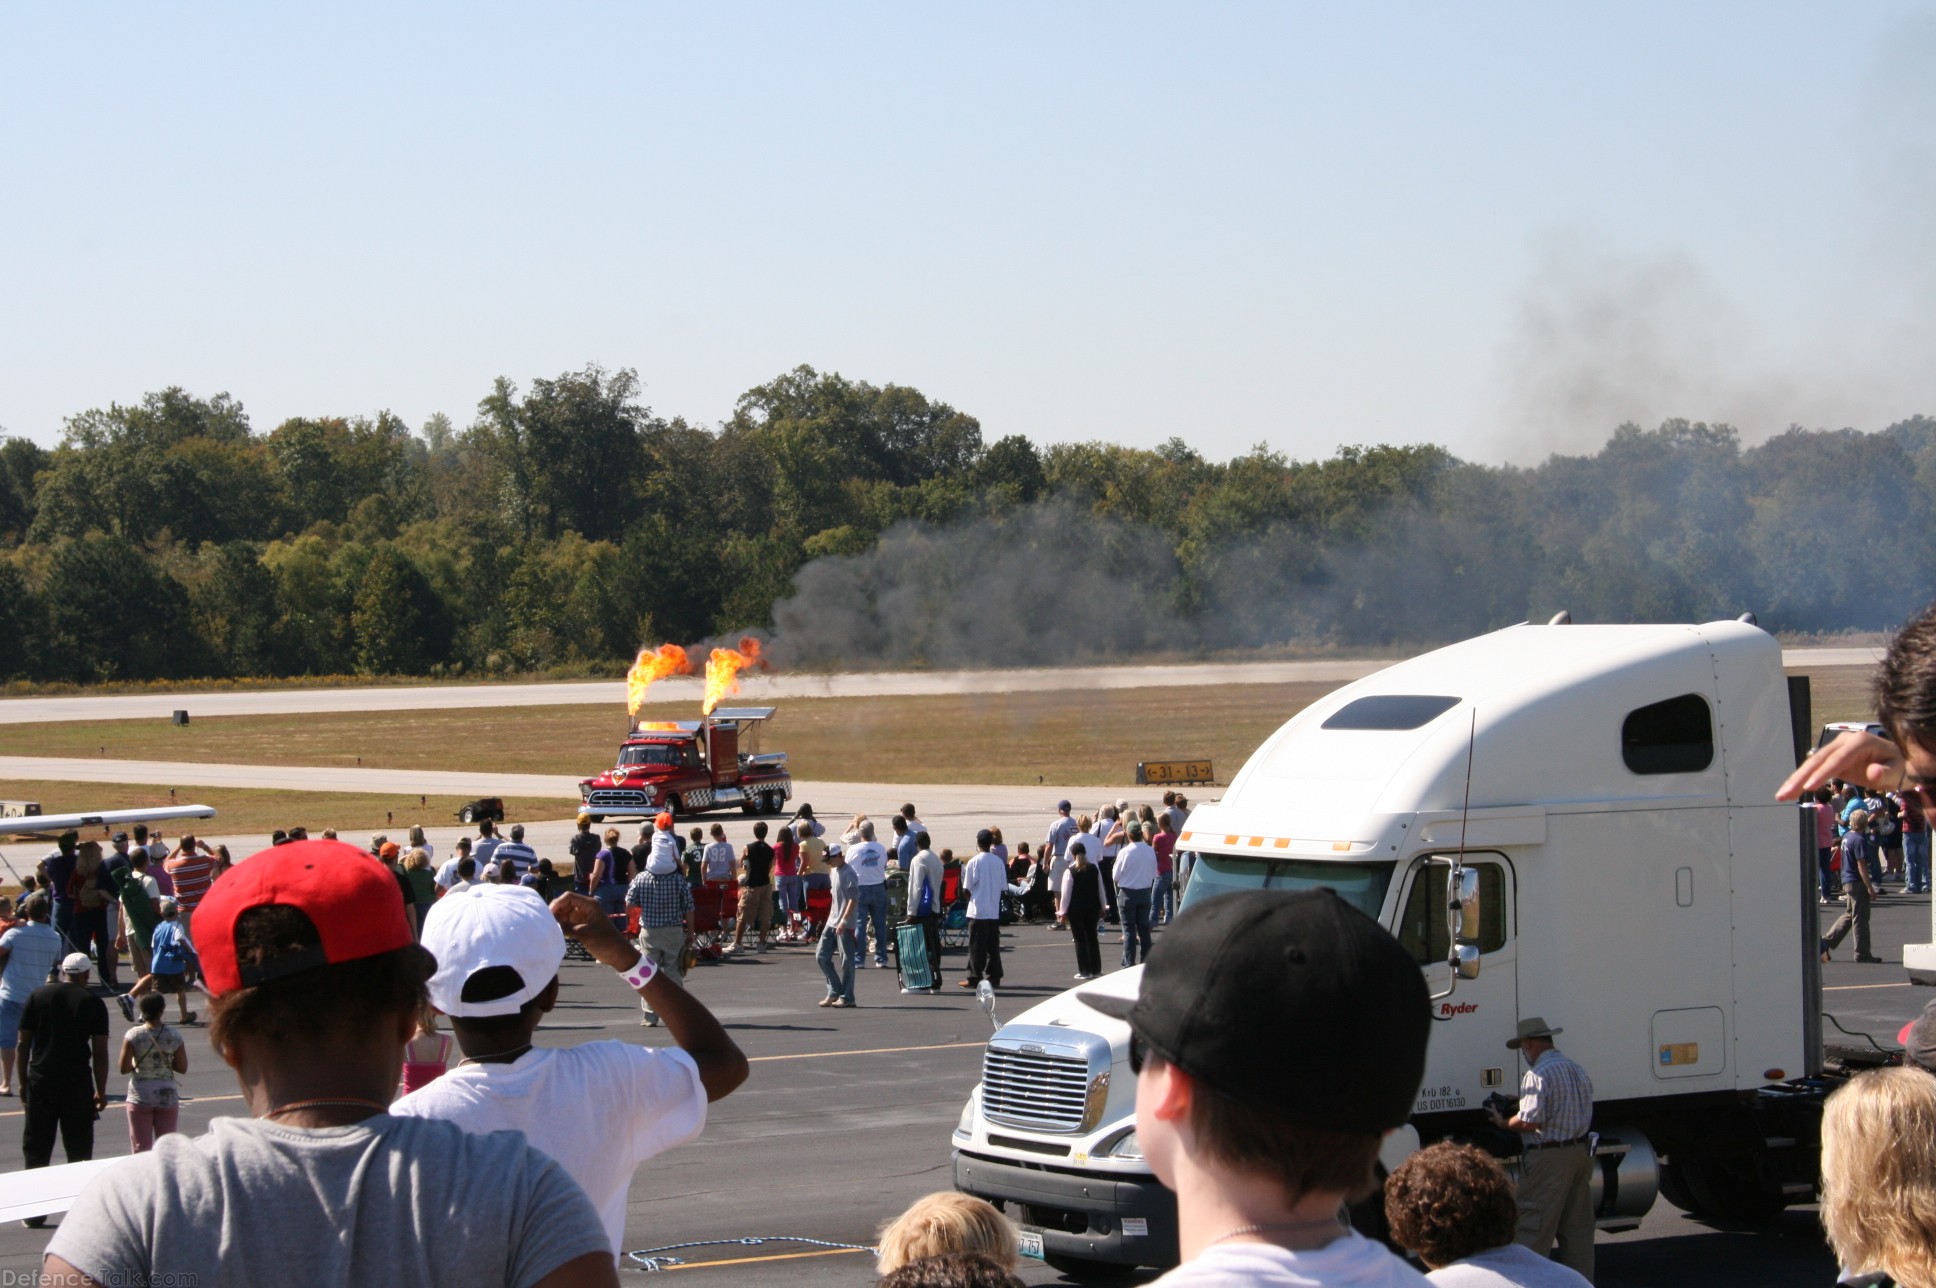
[(1362, 885), (651, 753)]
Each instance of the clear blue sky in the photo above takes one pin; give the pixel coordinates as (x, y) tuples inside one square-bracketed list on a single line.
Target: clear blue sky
[(1500, 227)]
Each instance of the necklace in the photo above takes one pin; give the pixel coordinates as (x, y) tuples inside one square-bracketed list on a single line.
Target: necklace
[(496, 1057), (344, 1102), (1282, 1227)]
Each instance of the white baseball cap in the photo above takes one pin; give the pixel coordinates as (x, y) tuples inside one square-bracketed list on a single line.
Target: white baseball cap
[(485, 927), (76, 964)]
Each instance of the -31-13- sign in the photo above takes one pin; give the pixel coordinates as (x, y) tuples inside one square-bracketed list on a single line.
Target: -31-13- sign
[(1160, 772)]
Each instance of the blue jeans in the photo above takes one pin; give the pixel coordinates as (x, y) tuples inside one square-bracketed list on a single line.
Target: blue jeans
[(1831, 882), (840, 983), (873, 903), (1163, 903), (1915, 859), (1136, 921), (10, 1009), (793, 895)]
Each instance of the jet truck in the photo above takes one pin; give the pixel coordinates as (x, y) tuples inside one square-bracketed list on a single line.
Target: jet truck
[(689, 766), (1572, 822)]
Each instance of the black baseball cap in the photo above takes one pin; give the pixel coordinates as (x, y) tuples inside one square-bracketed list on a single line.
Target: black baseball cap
[(1290, 1001)]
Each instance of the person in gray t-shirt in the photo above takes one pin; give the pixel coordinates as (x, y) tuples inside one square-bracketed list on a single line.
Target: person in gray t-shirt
[(317, 980)]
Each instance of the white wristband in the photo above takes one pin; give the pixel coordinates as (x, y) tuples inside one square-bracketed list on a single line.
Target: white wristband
[(640, 975)]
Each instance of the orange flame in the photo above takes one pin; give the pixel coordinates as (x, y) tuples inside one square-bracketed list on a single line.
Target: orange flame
[(723, 668), (653, 664)]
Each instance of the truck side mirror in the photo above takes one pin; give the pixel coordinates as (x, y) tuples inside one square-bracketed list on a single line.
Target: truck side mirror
[(1465, 961), (1465, 907)]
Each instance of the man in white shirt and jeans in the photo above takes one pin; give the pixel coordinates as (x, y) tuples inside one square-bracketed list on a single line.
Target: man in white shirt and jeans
[(868, 859), (598, 1109), (1135, 887), (1264, 1141)]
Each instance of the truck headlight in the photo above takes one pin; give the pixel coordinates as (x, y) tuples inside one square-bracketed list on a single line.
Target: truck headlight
[(966, 1125), (1125, 1146)]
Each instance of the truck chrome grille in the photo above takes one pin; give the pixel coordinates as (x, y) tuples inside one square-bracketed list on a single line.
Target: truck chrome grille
[(1039, 1090), (616, 798)]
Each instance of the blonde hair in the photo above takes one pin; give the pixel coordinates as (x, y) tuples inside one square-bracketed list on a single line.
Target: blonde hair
[(945, 1222), (1879, 1174), (416, 859)]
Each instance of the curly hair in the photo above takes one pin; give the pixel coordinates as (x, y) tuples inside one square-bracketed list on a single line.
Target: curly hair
[(1879, 1174), (1448, 1202), (943, 1222), (1905, 683)]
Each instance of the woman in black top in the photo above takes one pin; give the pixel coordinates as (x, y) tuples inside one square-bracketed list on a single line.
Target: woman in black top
[(1082, 907)]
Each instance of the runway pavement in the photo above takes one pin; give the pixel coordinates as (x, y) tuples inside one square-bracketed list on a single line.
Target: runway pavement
[(754, 688), (847, 1116)]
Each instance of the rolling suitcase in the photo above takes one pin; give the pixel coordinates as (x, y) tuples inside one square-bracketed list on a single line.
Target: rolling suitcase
[(912, 947)]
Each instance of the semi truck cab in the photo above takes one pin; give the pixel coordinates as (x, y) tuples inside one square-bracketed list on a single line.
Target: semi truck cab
[(1607, 794)]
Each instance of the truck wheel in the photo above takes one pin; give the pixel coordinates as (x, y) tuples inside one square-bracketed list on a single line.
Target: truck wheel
[(1088, 1272), (770, 802), (1719, 1189), (596, 818), (672, 806), (464, 815)]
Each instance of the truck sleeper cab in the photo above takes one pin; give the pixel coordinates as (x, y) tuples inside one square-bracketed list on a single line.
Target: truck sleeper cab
[(1637, 885)]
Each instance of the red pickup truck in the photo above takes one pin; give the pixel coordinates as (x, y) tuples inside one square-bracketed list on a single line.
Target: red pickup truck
[(688, 766)]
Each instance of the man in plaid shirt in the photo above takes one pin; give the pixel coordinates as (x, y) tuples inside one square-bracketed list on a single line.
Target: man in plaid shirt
[(1556, 1160), (664, 900)]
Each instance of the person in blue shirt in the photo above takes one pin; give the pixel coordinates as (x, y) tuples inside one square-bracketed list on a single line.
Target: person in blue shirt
[(906, 844), (171, 959)]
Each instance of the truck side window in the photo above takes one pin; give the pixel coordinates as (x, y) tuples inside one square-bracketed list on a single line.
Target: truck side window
[(1671, 737), (1421, 927)]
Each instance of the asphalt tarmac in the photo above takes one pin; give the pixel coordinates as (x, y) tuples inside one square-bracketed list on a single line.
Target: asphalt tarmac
[(847, 1117)]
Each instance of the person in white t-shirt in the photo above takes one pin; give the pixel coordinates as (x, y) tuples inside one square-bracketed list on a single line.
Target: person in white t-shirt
[(868, 859), (447, 874), (600, 1108), (1276, 1038)]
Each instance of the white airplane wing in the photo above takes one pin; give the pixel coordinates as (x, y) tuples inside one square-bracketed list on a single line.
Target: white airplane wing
[(43, 823), (46, 1191)]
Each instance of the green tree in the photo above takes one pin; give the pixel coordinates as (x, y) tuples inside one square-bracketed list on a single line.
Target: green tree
[(112, 615), (21, 463), (238, 612), (398, 624), (569, 454)]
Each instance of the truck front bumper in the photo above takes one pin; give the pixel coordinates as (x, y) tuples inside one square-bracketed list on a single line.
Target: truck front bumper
[(1128, 1221)]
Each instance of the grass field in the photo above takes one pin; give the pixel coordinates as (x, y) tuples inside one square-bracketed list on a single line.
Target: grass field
[(249, 810), (1078, 737)]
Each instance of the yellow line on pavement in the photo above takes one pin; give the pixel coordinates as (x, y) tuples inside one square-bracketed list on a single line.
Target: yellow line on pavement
[(747, 1261)]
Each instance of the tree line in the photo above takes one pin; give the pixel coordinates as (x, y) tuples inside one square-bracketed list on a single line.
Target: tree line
[(568, 523)]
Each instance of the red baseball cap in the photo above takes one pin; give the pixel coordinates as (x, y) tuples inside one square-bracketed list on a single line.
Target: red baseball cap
[(353, 901)]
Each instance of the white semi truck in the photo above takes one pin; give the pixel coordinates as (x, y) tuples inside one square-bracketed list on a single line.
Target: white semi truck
[(1611, 789)]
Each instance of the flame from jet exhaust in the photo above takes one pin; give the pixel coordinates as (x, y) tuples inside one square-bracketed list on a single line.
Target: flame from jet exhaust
[(655, 664), (723, 668)]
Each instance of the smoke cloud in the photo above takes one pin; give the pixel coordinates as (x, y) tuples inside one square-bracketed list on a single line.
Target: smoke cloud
[(1600, 337), (1048, 584)]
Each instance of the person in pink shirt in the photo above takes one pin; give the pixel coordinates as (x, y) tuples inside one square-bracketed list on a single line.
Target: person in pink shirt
[(1823, 808), (1165, 843)]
